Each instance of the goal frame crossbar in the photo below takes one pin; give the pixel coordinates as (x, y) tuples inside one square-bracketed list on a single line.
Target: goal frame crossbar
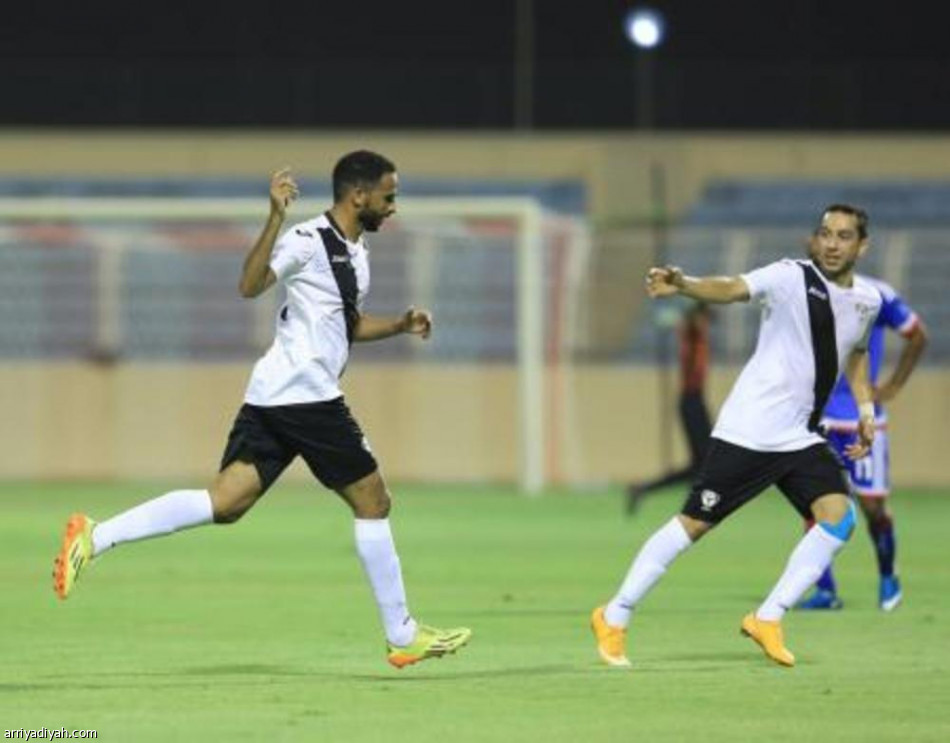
[(525, 212)]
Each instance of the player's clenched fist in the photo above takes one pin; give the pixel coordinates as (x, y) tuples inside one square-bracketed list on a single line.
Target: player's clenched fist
[(662, 282), (417, 322)]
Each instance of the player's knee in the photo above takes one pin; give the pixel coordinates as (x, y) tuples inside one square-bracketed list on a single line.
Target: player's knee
[(843, 527), (227, 509), (874, 509), (233, 491), (227, 516), (694, 528), (369, 498), (377, 507)]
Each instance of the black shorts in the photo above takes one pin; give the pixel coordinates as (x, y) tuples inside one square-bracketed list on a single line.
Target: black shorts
[(325, 434), (731, 476)]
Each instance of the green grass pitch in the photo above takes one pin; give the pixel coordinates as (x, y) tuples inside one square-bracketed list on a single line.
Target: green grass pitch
[(266, 631)]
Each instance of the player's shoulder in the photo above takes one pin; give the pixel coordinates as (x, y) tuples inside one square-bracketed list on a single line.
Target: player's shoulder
[(778, 277), (875, 289), (789, 264), (869, 299), (780, 267), (886, 290), (304, 238), (888, 293), (792, 266), (790, 270), (308, 230)]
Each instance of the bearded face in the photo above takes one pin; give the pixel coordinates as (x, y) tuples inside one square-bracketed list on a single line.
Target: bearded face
[(370, 219), (378, 203)]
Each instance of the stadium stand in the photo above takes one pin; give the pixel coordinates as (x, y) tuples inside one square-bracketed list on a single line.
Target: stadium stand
[(737, 224)]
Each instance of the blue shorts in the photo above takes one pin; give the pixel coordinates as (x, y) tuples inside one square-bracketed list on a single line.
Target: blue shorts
[(870, 476)]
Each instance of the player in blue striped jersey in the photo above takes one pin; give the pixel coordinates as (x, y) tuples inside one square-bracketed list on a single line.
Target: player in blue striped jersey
[(870, 475)]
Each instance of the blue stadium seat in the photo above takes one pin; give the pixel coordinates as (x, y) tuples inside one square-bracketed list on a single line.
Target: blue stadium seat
[(755, 202)]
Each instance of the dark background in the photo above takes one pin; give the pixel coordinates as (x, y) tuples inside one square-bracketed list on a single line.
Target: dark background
[(421, 64)]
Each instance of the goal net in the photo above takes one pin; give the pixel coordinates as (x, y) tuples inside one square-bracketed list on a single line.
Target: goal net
[(150, 280)]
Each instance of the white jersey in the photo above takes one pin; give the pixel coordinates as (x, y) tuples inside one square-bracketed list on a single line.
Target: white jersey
[(326, 278), (772, 406)]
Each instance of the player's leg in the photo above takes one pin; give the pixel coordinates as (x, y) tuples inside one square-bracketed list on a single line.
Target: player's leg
[(651, 562), (816, 485), (874, 497), (408, 641), (332, 444), (834, 523), (330, 440), (229, 495), (370, 501), (880, 522), (232, 492), (825, 595), (729, 477), (610, 621), (252, 460)]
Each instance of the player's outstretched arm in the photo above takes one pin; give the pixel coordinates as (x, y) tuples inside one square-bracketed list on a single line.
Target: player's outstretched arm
[(375, 328), (858, 372), (670, 280), (256, 275)]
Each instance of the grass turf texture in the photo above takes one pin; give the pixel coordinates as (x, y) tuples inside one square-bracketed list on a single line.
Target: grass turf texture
[(266, 630)]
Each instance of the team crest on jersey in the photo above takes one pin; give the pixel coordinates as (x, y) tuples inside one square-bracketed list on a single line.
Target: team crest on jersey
[(814, 290), (864, 310), (709, 499)]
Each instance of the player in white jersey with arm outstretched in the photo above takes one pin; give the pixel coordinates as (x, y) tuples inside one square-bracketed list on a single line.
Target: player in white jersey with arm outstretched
[(294, 406), (815, 321)]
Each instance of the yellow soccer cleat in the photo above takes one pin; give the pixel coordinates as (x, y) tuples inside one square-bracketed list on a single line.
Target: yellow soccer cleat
[(769, 637), (611, 641), (428, 643), (74, 555)]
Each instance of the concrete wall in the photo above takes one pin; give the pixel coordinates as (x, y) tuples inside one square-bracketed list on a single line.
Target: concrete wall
[(425, 423)]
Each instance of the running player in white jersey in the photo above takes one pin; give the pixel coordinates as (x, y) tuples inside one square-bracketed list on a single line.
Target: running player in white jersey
[(293, 404), (816, 320), (870, 476)]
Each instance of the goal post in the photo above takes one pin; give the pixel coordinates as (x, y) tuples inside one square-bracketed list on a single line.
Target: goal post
[(516, 224)]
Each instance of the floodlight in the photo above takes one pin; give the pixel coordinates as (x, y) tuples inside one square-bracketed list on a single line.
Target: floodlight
[(644, 27)]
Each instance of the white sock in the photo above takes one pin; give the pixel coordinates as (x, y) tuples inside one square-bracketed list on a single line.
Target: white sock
[(374, 544), (807, 562), (649, 565), (179, 509)]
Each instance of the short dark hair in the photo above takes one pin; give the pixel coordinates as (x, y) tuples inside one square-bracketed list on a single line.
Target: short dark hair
[(860, 216), (359, 168)]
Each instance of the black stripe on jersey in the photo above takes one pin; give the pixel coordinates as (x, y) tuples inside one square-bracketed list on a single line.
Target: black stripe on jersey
[(823, 341), (339, 259)]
